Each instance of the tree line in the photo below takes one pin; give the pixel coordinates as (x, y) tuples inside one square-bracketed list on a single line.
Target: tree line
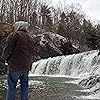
[(66, 20)]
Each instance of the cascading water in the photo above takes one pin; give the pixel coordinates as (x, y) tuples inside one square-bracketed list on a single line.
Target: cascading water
[(85, 65), (74, 65)]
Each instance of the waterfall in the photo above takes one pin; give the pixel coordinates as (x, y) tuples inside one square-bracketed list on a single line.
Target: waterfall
[(85, 66), (74, 65)]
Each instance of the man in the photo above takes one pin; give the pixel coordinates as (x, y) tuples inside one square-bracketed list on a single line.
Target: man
[(19, 54)]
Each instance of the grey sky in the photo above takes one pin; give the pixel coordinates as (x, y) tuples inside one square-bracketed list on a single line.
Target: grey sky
[(90, 7)]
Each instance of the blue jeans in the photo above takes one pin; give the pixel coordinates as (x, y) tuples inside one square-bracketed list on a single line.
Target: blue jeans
[(12, 80)]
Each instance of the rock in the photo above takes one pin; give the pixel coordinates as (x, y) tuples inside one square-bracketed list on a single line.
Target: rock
[(50, 45)]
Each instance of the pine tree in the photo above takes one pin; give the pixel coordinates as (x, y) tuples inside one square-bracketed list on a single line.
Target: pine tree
[(46, 17), (62, 28), (90, 34)]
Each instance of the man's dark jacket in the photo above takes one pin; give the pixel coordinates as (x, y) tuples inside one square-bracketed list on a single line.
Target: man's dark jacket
[(19, 51)]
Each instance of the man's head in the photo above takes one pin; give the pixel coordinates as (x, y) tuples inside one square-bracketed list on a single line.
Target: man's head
[(21, 26)]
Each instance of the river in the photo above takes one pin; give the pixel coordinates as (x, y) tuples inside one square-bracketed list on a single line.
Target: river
[(48, 88)]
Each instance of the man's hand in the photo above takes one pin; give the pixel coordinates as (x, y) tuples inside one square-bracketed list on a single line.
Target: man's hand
[(6, 62)]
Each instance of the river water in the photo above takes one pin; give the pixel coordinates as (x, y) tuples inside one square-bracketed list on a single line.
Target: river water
[(48, 88)]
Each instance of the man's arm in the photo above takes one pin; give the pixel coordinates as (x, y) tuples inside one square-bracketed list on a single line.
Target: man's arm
[(11, 43)]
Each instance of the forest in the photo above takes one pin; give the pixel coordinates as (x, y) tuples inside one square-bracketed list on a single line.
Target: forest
[(66, 20)]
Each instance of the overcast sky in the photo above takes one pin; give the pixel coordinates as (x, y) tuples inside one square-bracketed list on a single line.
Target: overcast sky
[(90, 7)]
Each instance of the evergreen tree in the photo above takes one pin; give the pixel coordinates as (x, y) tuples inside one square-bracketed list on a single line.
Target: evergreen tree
[(46, 18), (90, 34), (63, 27)]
